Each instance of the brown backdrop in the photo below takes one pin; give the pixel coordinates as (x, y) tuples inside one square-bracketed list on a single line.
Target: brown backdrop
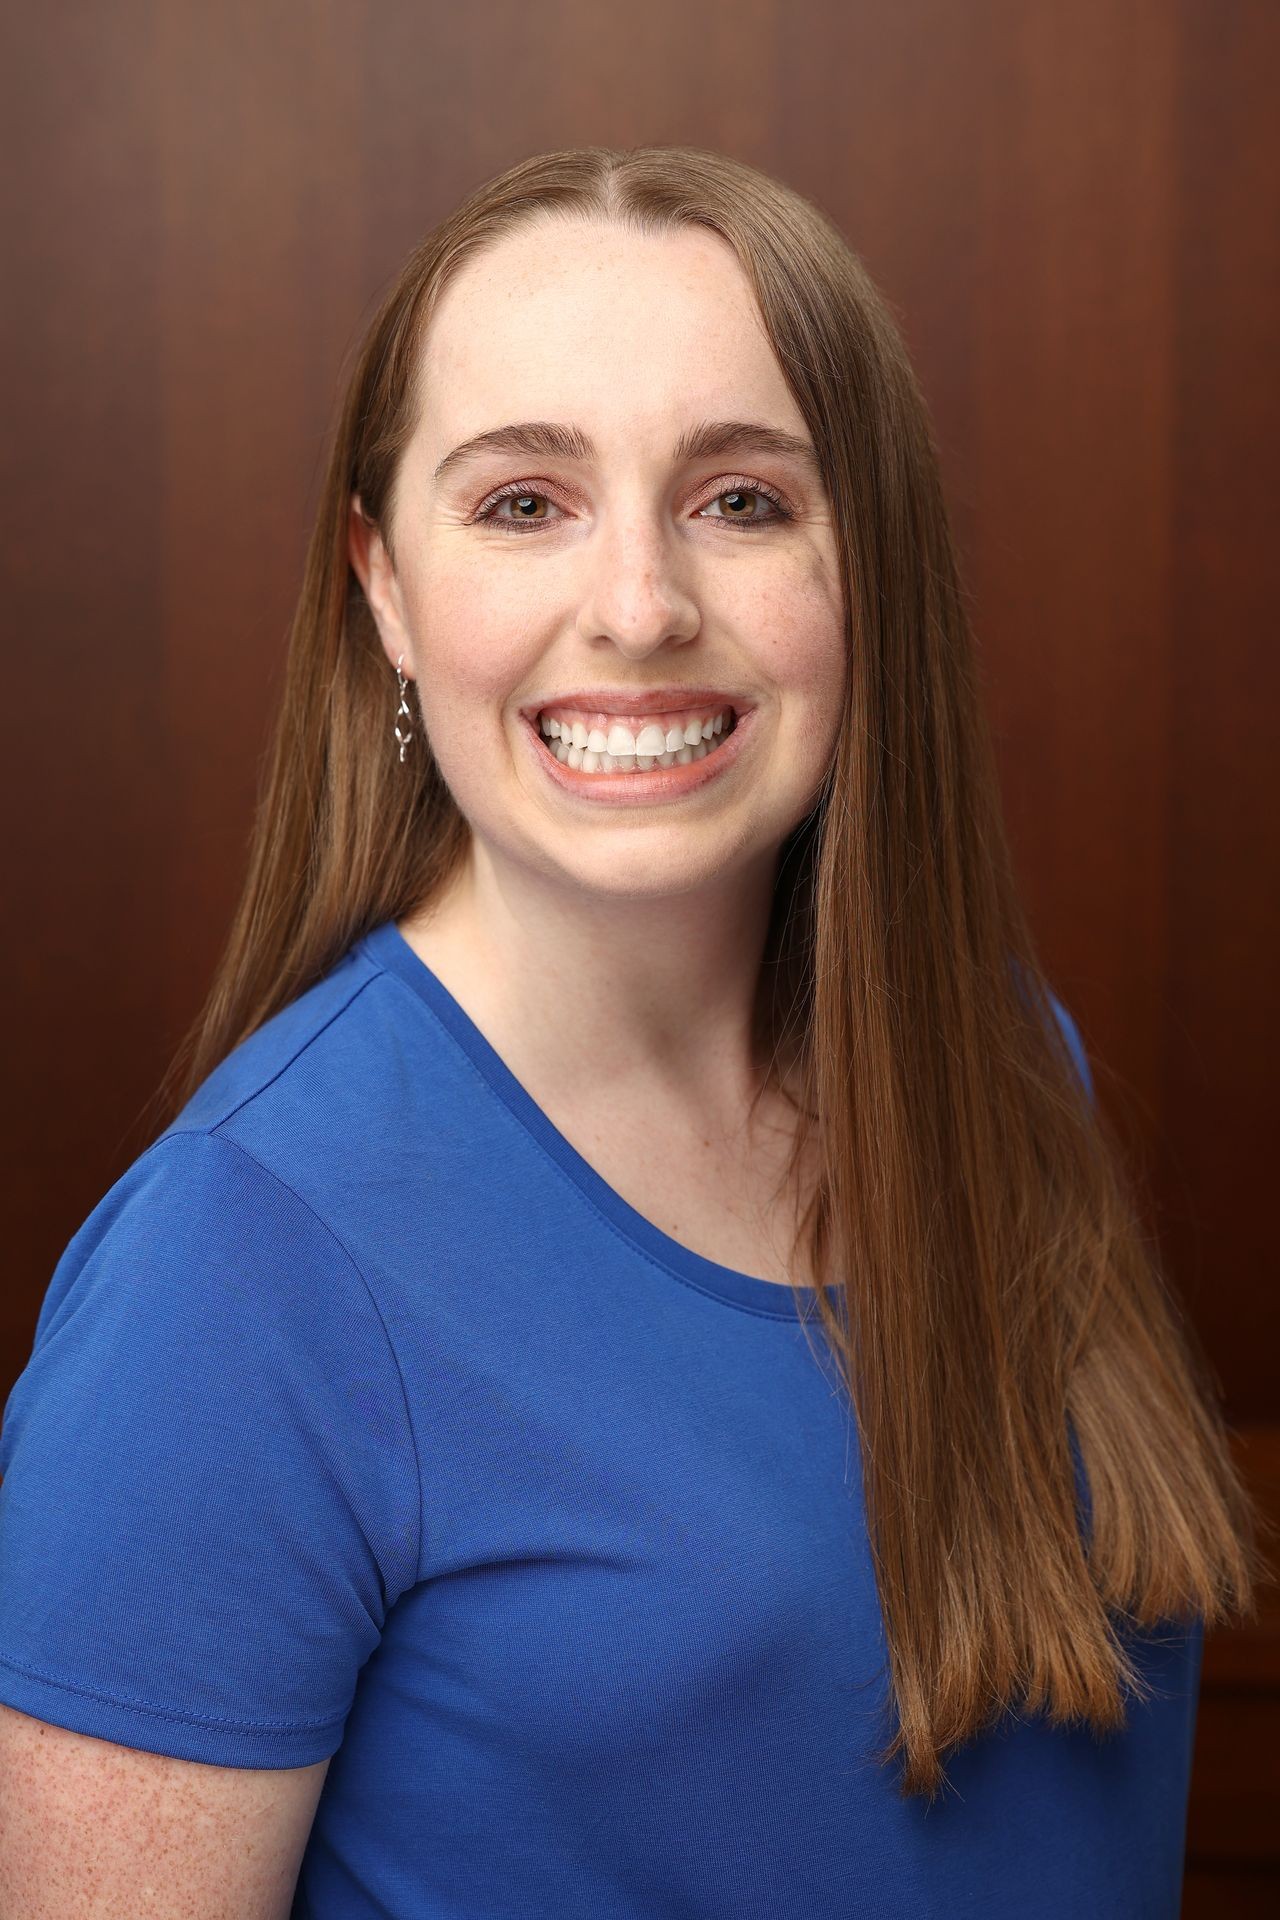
[(1073, 207)]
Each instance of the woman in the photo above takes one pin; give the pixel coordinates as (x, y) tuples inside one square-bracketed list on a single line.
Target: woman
[(635, 1327)]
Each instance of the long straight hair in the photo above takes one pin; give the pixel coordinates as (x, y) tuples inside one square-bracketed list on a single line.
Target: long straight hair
[(982, 1274)]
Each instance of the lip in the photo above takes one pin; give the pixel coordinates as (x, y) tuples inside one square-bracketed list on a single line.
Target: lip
[(631, 789), (640, 700)]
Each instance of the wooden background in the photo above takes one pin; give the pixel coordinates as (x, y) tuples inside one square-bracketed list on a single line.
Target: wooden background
[(1073, 206)]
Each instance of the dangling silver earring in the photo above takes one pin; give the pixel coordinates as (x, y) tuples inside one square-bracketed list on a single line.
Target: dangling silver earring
[(403, 708)]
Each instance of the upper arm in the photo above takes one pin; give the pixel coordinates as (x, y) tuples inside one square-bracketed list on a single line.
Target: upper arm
[(89, 1828), (210, 1498)]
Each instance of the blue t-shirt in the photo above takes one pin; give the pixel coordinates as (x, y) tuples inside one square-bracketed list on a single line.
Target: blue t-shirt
[(365, 1419)]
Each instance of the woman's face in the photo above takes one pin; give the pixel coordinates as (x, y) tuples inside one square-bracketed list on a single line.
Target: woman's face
[(610, 570)]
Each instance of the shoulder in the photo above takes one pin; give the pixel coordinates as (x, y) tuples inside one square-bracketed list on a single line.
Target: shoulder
[(222, 1206), (199, 1245), (326, 1089), (1075, 1044), (330, 1018), (1068, 1033)]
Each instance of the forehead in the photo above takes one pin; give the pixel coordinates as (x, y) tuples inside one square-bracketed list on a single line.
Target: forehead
[(621, 332)]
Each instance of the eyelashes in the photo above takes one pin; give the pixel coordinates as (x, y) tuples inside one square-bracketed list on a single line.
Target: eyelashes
[(487, 512)]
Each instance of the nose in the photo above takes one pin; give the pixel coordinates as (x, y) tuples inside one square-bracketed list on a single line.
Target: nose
[(633, 594)]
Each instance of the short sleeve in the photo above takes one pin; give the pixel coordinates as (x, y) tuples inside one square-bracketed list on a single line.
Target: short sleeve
[(210, 1496)]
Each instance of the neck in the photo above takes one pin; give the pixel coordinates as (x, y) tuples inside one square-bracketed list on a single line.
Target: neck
[(648, 1001)]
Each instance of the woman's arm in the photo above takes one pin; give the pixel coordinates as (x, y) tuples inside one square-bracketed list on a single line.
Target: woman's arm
[(91, 1829)]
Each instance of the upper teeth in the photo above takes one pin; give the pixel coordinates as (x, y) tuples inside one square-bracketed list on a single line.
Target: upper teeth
[(620, 740)]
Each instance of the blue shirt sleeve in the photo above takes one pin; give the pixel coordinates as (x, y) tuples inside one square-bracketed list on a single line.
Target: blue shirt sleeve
[(210, 1496)]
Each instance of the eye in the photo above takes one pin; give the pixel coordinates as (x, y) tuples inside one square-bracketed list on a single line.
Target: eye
[(743, 489), (522, 495)]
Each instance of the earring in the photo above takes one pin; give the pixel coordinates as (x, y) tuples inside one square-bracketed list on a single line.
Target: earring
[(403, 708)]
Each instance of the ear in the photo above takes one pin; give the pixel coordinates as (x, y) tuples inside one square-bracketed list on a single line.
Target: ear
[(373, 569)]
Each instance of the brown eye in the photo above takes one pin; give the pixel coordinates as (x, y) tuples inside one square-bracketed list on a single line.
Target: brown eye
[(743, 501), (522, 502), (522, 499)]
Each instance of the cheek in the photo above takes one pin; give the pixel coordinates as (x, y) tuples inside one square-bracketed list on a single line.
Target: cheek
[(472, 651), (797, 631)]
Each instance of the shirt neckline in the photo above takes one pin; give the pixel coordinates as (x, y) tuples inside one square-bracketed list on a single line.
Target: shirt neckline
[(389, 949)]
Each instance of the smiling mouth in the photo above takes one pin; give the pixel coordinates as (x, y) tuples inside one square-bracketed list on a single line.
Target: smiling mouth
[(618, 750)]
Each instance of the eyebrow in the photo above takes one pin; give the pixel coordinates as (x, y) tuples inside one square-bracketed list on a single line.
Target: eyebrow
[(711, 439)]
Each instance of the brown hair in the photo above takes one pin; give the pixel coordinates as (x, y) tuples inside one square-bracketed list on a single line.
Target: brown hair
[(983, 1277)]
